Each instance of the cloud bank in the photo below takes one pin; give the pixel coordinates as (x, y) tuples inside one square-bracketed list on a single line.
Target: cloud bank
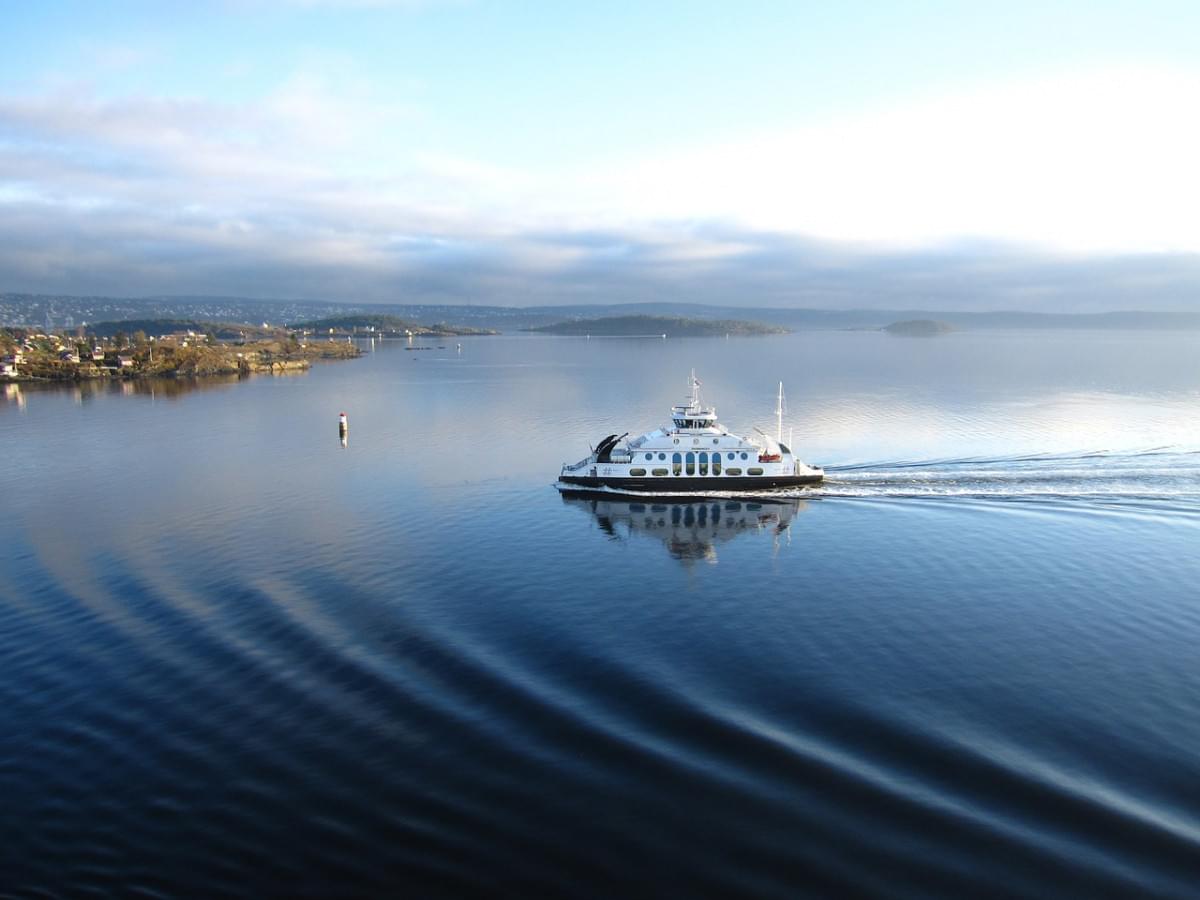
[(1071, 194)]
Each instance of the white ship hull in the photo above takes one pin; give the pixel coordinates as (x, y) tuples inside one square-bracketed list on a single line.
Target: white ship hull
[(612, 478)]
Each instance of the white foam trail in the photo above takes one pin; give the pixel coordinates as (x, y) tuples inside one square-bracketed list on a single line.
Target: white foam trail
[(1153, 474)]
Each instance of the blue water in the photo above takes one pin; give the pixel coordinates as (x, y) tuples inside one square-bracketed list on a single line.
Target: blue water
[(237, 658)]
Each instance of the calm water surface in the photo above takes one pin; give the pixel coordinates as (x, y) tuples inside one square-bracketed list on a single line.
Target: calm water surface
[(239, 659)]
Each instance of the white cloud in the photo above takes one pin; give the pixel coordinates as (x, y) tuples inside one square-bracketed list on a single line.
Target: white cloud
[(328, 174), (1098, 161)]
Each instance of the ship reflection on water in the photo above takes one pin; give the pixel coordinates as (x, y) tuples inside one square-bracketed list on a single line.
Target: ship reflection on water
[(692, 529)]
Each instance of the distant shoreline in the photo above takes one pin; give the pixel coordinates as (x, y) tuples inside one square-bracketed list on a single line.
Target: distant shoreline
[(656, 326), (64, 312)]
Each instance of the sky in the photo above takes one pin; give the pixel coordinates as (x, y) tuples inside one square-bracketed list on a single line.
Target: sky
[(933, 155)]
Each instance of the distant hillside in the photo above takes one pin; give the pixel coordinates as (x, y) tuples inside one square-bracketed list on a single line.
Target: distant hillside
[(155, 327), (383, 322), (918, 328), (631, 326), (61, 312)]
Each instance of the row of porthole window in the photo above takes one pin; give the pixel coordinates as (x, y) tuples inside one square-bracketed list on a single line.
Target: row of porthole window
[(688, 463), (731, 456), (638, 473)]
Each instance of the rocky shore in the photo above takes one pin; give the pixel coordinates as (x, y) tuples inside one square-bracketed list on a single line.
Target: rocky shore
[(50, 358)]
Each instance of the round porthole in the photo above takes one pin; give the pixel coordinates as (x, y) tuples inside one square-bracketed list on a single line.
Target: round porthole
[(715, 440), (695, 440), (677, 440)]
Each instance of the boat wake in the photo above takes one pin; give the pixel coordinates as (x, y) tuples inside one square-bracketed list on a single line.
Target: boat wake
[(1156, 475), (1160, 473)]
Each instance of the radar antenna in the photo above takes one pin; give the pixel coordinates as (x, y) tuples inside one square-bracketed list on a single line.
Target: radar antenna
[(694, 384)]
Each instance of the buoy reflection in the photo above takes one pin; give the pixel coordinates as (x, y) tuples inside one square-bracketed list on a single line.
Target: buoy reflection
[(13, 394)]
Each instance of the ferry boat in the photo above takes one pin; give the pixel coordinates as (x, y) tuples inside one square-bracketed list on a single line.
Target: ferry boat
[(693, 454)]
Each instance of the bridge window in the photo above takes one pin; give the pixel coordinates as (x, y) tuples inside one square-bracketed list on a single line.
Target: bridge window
[(691, 463), (676, 464)]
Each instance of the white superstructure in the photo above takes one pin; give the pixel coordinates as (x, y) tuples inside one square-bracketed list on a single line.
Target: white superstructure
[(693, 453)]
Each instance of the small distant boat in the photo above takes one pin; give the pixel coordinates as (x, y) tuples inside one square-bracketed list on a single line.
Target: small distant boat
[(692, 454)]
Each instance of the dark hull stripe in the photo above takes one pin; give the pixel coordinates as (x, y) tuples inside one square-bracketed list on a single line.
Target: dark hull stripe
[(678, 484)]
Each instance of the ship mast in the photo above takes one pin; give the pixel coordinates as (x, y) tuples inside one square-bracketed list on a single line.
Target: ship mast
[(779, 414)]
